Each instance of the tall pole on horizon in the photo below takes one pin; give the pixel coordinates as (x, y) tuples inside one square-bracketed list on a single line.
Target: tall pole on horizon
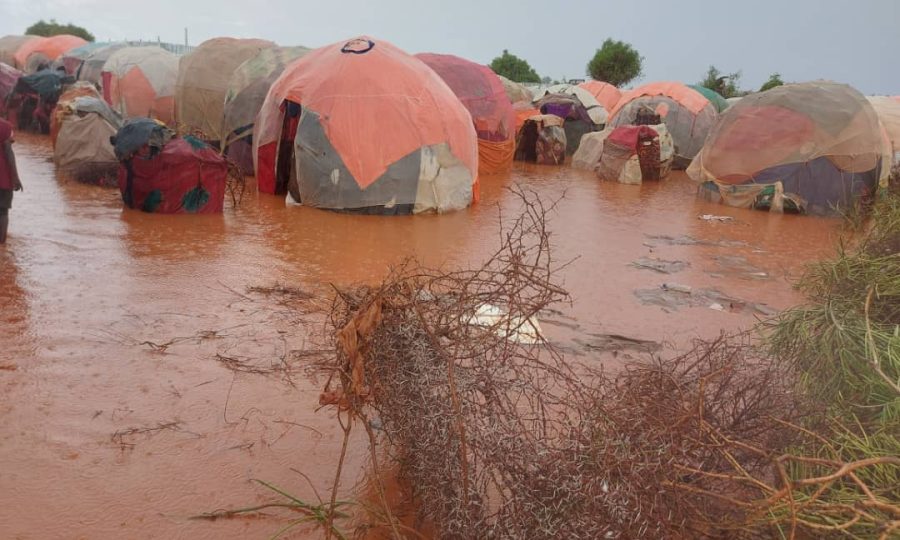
[(185, 37)]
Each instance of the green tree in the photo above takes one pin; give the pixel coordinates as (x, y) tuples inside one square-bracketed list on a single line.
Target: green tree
[(616, 62), (514, 68), (726, 85), (774, 80), (53, 28)]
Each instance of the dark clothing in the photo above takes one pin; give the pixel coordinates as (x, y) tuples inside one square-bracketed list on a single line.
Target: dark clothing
[(6, 135), (6, 197)]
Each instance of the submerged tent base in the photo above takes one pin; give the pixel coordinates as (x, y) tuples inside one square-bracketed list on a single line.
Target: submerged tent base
[(104, 174), (770, 197)]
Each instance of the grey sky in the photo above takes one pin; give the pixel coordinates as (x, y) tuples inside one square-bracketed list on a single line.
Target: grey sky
[(856, 42)]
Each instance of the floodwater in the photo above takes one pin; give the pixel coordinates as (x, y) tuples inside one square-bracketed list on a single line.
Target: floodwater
[(117, 420)]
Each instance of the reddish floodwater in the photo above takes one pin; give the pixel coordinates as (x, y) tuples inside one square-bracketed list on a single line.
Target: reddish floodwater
[(84, 284)]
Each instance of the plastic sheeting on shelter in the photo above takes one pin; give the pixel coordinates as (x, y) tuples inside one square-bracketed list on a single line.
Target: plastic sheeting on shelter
[(687, 113), (363, 126), (140, 82), (165, 175), (482, 93), (9, 45), (203, 78), (82, 148), (819, 144), (634, 154), (542, 140), (516, 92), (42, 51), (607, 94), (9, 76)]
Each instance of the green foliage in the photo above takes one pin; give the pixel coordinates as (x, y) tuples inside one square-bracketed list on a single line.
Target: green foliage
[(774, 80), (616, 62), (514, 68), (53, 28), (726, 85)]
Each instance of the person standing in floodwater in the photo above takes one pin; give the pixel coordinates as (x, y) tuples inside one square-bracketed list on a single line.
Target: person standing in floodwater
[(9, 176)]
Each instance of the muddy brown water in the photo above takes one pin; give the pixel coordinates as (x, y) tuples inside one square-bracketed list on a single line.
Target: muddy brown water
[(104, 435)]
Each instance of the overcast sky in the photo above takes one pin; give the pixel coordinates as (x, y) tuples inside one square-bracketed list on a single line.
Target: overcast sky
[(856, 41)]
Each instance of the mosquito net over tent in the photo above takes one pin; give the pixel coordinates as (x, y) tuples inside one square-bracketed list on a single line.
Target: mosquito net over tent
[(9, 45), (203, 78), (249, 85), (814, 146), (42, 51), (482, 93), (246, 93), (140, 81), (687, 113), (607, 94), (363, 126)]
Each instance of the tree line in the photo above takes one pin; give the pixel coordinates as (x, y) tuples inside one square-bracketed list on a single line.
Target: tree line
[(619, 63)]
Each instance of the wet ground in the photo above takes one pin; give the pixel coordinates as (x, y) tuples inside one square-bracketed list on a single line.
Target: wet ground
[(122, 413)]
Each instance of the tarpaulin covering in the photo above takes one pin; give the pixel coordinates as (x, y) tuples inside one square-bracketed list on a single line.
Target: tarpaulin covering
[(379, 131), (9, 45), (45, 49), (91, 68), (9, 76), (542, 140), (633, 154), (524, 110), (83, 148), (72, 60), (687, 113), (141, 134), (482, 93), (821, 140), (81, 89), (607, 94), (47, 84), (596, 112), (203, 78), (185, 177), (577, 119), (515, 92), (712, 96), (249, 86), (140, 81), (888, 111)]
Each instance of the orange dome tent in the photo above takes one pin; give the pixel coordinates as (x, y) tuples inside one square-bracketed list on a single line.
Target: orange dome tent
[(9, 45), (687, 113), (482, 93), (607, 94), (39, 51), (363, 126)]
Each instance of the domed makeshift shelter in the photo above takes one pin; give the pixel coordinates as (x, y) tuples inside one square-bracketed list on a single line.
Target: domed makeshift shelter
[(82, 148), (581, 111), (43, 51), (164, 174), (9, 76), (607, 94), (888, 111), (363, 126), (33, 98), (79, 89), (140, 82), (89, 64), (246, 94), (203, 77), (712, 96), (687, 113), (9, 45), (811, 147), (516, 92), (542, 140), (482, 93)]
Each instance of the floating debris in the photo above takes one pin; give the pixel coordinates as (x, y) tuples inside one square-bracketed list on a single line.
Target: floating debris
[(737, 266), (674, 296), (685, 240), (720, 219), (660, 265)]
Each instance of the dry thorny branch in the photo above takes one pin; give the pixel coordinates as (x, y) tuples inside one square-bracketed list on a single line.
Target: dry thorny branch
[(496, 435)]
